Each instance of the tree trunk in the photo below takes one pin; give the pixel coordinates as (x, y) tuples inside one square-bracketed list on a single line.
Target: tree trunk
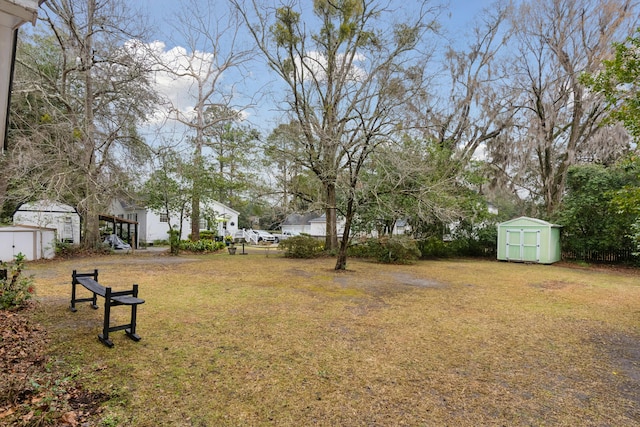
[(4, 180), (341, 262), (195, 215), (195, 196), (92, 228), (89, 216), (91, 238), (331, 230)]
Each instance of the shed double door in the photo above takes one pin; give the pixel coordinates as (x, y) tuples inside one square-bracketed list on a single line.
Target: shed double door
[(16, 242), (523, 245)]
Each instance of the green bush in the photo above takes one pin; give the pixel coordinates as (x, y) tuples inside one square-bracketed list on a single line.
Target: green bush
[(64, 249), (434, 247), (303, 246), (174, 241), (391, 250), (201, 246), (207, 235), (15, 289), (359, 250)]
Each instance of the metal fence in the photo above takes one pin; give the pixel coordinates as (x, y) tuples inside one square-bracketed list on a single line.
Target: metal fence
[(617, 256)]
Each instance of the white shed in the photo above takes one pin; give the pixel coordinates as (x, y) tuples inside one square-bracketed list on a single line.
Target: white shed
[(33, 242), (49, 214)]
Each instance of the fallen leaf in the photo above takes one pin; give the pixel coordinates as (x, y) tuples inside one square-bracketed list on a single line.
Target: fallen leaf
[(69, 418), (7, 412), (27, 417)]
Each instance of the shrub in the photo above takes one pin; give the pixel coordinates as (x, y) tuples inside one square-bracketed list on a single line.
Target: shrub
[(64, 249), (391, 250), (302, 246), (174, 241), (207, 235), (434, 247), (15, 289), (201, 246)]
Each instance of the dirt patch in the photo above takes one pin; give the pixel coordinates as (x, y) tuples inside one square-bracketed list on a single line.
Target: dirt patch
[(299, 272), (410, 280), (551, 285), (624, 353)]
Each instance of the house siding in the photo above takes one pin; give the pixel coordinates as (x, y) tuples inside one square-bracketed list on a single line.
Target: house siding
[(63, 218)]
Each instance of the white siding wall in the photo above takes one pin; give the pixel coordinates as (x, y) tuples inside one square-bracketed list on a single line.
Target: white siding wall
[(44, 214), (151, 228)]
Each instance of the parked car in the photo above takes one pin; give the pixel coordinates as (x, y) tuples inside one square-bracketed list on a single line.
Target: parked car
[(284, 235), (265, 236), (115, 242)]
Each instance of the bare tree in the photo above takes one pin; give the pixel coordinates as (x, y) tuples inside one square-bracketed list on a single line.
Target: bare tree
[(282, 150), (559, 118), (344, 72), (213, 63), (472, 105), (92, 89)]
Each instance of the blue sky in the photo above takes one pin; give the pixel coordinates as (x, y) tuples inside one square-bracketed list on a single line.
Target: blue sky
[(461, 11), (455, 22)]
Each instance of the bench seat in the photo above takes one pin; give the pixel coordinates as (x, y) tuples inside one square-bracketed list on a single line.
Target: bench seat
[(120, 297)]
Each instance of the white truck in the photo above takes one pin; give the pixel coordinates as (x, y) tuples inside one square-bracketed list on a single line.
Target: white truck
[(284, 235)]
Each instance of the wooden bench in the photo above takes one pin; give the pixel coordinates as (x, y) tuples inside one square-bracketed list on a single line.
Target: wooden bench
[(111, 299)]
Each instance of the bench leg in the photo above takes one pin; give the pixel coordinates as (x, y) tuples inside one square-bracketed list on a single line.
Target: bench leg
[(104, 336), (73, 293), (131, 332), (94, 305)]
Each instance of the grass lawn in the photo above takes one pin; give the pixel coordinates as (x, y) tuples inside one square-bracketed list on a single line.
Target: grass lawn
[(262, 340)]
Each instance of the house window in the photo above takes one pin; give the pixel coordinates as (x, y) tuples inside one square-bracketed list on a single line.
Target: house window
[(203, 224), (164, 217), (132, 216)]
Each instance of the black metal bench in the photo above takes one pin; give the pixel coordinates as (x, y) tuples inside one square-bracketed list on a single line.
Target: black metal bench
[(111, 299)]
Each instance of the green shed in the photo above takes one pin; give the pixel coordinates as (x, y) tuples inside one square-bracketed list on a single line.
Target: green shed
[(527, 239)]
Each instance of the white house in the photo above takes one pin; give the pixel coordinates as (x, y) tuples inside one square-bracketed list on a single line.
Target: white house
[(318, 226), (298, 223), (315, 225), (48, 214), (311, 224), (152, 226)]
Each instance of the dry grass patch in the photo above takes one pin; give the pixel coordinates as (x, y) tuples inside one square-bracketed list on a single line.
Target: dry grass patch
[(256, 340)]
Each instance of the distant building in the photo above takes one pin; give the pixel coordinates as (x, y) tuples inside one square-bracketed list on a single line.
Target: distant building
[(48, 214), (312, 224), (153, 226)]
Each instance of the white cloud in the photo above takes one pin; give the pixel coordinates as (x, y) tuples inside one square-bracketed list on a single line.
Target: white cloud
[(177, 77), (316, 65)]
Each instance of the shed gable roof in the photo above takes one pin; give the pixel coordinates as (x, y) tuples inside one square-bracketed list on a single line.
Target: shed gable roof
[(46, 206), (525, 220)]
